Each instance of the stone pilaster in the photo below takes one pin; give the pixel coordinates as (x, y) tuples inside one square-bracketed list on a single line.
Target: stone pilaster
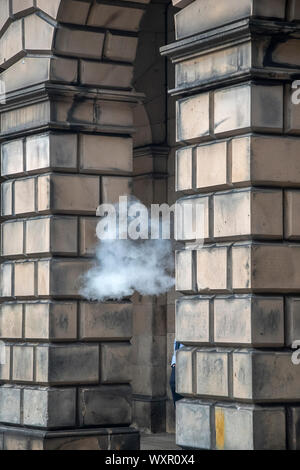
[(239, 135), (149, 313)]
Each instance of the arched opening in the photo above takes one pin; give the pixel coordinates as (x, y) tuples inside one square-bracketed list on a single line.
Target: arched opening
[(154, 183)]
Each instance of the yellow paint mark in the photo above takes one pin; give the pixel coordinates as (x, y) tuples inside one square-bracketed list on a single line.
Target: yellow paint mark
[(220, 428)]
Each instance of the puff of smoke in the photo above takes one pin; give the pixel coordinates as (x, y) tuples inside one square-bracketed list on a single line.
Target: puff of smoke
[(125, 266)]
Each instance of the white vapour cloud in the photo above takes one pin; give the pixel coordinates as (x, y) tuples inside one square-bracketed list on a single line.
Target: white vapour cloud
[(125, 266)]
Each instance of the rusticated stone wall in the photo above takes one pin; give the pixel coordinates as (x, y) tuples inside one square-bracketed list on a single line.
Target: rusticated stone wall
[(239, 134), (66, 133)]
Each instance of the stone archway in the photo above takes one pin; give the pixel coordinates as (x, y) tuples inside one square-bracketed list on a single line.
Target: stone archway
[(67, 67)]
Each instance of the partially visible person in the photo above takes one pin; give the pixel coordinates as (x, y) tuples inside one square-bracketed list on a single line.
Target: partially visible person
[(175, 395)]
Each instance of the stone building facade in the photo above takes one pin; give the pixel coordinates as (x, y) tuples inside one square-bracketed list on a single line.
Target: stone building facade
[(94, 110)]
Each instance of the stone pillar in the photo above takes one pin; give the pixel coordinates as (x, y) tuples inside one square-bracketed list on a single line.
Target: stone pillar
[(66, 146), (239, 135)]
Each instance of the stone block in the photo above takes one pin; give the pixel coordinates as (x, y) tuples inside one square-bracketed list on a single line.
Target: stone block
[(150, 190), (64, 235), (6, 199), (12, 239), (212, 372), (185, 384), (61, 277), (244, 213), (67, 364), (106, 321), (23, 363), (115, 17), (55, 321), (291, 213), (38, 33), (6, 279), (244, 108), (25, 72), (185, 275), (216, 66), (55, 235), (79, 43), (113, 187), (11, 43), (49, 408), (104, 154), (88, 237), (192, 221), (11, 321), (25, 118), (5, 369), (38, 236), (258, 160), (203, 15), (253, 321), (192, 320), (4, 12), (265, 376), (10, 404), (184, 170), (69, 11), (106, 74), (51, 151), (262, 428), (120, 48), (211, 162), (24, 196), (193, 118), (212, 269), (24, 279), (64, 70), (241, 264), (116, 363), (105, 405), (265, 268), (68, 194), (193, 424), (12, 158), (151, 160)]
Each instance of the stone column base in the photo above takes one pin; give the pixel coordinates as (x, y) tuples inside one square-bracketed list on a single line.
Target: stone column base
[(149, 414), (13, 438)]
